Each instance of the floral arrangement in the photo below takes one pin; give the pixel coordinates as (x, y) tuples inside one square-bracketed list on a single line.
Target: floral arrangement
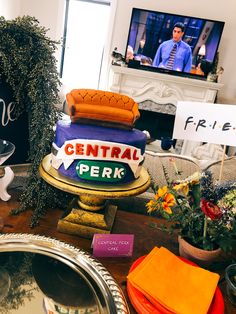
[(203, 212)]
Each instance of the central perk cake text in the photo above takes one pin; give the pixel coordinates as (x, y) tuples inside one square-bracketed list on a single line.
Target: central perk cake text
[(105, 151)]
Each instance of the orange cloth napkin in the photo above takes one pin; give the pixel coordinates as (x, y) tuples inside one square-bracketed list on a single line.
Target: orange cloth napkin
[(178, 286)]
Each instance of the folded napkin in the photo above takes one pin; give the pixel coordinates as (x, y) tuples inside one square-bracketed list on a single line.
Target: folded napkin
[(179, 287)]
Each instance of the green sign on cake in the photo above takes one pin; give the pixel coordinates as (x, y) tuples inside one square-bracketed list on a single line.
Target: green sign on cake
[(102, 171)]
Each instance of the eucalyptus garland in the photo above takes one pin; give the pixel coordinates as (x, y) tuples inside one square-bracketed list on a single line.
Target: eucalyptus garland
[(28, 65)]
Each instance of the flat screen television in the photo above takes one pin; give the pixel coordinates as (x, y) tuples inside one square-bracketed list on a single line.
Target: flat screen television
[(153, 30)]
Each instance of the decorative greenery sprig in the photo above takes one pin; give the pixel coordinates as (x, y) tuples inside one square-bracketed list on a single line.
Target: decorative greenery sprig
[(28, 65), (22, 285)]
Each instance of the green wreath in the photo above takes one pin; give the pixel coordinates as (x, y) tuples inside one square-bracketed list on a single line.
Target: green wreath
[(28, 65)]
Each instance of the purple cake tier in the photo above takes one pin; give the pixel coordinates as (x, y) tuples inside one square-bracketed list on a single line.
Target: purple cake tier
[(78, 151)]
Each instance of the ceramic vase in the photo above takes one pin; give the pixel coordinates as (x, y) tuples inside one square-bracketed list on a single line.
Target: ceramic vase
[(201, 257)]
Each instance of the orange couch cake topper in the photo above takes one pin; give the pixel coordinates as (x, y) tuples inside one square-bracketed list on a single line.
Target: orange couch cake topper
[(102, 106)]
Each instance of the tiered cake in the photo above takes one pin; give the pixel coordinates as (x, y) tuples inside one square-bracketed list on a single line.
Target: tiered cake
[(99, 143)]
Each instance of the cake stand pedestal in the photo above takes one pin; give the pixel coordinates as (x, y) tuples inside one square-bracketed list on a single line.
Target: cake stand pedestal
[(90, 212), (6, 150)]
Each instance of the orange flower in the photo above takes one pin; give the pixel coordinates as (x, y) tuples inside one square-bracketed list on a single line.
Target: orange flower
[(168, 203), (162, 201), (184, 187), (166, 208), (161, 192), (170, 199), (151, 206)]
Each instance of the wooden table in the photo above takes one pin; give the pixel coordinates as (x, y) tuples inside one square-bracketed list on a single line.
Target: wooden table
[(146, 238)]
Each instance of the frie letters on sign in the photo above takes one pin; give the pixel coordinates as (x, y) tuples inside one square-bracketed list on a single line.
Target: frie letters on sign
[(205, 122)]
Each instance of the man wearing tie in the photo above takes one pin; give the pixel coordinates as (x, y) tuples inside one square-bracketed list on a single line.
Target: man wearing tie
[(174, 54)]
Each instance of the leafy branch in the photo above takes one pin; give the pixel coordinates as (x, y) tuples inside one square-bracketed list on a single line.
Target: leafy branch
[(28, 65)]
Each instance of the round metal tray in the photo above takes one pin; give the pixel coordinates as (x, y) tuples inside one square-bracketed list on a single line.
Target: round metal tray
[(43, 275)]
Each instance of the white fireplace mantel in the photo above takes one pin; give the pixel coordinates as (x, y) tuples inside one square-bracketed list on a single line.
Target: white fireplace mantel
[(160, 92), (160, 88)]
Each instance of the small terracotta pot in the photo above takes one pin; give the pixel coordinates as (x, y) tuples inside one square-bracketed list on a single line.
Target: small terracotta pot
[(201, 257)]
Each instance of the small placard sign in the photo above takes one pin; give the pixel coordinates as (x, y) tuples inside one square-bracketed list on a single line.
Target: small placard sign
[(112, 245), (205, 122)]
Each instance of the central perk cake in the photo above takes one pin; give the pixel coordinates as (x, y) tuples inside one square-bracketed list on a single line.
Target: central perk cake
[(98, 154), (91, 153)]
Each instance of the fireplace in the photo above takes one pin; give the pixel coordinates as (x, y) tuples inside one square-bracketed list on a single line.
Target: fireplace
[(158, 124), (158, 94)]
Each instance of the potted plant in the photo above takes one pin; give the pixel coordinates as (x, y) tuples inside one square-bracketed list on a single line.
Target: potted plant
[(29, 67), (203, 213)]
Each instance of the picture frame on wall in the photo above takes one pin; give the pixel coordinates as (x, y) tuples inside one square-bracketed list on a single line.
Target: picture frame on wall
[(12, 129)]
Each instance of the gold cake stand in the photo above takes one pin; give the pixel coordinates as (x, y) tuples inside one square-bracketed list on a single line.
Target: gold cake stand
[(90, 212)]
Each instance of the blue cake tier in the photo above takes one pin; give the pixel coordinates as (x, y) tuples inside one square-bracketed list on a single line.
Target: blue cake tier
[(128, 141)]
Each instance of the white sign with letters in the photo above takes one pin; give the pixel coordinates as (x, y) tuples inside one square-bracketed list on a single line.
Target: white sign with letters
[(205, 122)]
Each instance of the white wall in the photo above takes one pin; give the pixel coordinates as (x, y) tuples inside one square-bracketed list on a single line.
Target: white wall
[(50, 14), (9, 8)]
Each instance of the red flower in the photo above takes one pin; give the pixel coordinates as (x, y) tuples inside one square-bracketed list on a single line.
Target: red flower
[(211, 210)]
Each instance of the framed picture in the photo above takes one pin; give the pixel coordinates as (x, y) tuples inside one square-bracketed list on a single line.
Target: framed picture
[(12, 129)]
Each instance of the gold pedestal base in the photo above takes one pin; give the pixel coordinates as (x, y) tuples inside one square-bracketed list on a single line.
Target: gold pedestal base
[(89, 213), (85, 224)]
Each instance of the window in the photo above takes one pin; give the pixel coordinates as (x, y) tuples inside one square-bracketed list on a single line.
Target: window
[(85, 33)]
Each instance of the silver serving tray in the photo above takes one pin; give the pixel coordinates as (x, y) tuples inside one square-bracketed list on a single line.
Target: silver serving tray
[(40, 274)]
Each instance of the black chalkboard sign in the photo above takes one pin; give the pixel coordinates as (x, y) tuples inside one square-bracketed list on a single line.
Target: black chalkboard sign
[(12, 129)]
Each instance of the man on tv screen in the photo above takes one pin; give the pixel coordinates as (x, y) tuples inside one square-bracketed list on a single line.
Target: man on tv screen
[(174, 54)]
